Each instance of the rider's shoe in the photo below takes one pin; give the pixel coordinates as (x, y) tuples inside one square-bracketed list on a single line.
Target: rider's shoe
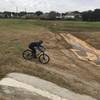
[(35, 57)]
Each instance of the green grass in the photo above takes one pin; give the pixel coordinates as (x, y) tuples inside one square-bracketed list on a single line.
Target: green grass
[(54, 26), (71, 26)]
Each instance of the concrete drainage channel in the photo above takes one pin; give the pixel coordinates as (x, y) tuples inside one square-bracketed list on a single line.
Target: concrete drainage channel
[(41, 87)]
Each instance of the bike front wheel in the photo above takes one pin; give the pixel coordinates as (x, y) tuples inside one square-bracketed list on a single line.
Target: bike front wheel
[(44, 58)]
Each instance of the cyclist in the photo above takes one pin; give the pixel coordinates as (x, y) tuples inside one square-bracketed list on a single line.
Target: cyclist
[(36, 45)]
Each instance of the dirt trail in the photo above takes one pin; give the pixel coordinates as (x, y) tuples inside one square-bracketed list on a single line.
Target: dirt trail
[(83, 50)]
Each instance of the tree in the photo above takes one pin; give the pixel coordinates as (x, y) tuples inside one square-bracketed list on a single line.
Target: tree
[(53, 15), (23, 13), (96, 14), (87, 15), (38, 13), (91, 15), (7, 14)]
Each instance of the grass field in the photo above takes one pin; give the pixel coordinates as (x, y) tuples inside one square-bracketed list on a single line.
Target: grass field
[(63, 26), (54, 26), (16, 34)]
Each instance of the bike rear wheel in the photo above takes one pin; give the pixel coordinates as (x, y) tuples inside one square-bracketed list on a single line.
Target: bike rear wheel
[(44, 58), (27, 54)]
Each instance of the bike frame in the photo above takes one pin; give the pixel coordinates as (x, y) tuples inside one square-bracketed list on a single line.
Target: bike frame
[(39, 53)]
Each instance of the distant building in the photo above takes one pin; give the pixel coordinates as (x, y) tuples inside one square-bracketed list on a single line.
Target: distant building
[(69, 16), (2, 15), (60, 16), (72, 15), (30, 15), (44, 16)]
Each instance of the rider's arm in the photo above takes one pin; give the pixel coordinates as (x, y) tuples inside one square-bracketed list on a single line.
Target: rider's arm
[(39, 47)]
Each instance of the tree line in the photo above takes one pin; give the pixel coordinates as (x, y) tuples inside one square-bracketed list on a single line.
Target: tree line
[(90, 15)]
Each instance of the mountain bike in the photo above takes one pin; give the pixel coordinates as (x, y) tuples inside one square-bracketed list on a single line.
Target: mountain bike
[(40, 55)]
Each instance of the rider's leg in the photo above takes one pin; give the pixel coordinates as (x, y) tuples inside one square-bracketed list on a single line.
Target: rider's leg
[(34, 52)]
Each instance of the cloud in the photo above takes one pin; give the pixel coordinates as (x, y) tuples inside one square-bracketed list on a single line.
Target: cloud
[(49, 5)]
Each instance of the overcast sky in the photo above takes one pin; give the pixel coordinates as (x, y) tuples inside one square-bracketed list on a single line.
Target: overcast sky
[(48, 5)]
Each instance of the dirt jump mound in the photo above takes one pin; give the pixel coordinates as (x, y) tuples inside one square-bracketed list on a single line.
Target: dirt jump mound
[(81, 49)]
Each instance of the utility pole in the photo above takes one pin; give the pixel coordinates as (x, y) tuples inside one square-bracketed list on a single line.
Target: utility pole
[(16, 11)]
